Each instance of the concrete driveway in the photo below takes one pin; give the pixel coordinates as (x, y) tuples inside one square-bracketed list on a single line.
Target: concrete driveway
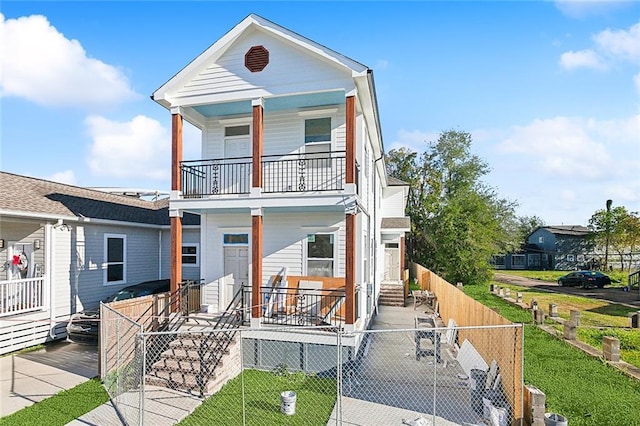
[(31, 377)]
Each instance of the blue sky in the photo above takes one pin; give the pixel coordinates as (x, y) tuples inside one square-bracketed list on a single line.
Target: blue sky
[(549, 90)]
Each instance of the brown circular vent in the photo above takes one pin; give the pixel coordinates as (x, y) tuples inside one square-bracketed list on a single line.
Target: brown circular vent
[(256, 58)]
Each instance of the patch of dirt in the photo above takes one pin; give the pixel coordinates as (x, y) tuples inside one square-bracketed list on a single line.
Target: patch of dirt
[(610, 294)]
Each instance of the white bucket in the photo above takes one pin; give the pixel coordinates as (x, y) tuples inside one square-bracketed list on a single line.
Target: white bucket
[(288, 406)]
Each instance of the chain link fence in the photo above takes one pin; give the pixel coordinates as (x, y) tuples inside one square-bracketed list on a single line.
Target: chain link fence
[(121, 363), (318, 376)]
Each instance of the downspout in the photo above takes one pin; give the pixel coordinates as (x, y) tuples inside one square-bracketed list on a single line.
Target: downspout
[(48, 273), (375, 234), (160, 254)]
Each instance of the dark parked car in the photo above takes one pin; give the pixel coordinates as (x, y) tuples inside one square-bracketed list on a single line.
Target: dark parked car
[(585, 279), (83, 326)]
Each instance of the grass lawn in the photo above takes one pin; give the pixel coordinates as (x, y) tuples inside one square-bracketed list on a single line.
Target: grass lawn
[(315, 400), (582, 388), (61, 408)]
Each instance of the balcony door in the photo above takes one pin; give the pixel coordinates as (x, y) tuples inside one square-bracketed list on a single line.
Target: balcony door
[(236, 169)]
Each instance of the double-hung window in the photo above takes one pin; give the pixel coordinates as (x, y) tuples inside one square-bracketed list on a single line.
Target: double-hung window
[(317, 142), (115, 258), (320, 255)]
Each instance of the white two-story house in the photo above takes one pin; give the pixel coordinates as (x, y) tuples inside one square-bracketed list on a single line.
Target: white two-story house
[(291, 185)]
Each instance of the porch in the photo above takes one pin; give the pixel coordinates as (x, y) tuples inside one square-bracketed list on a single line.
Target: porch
[(300, 173), (22, 296)]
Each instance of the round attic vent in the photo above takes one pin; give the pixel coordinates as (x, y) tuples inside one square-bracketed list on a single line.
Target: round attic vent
[(256, 58)]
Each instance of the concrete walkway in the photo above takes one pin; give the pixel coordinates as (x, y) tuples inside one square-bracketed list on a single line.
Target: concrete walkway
[(31, 377)]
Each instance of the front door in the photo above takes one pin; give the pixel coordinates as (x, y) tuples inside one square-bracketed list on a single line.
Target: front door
[(236, 271), (234, 176), (392, 263), (19, 261)]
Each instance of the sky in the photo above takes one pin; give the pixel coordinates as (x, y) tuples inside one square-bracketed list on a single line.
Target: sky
[(549, 90)]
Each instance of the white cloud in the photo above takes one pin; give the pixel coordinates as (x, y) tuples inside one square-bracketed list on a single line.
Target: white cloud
[(620, 44), (610, 47), (577, 148), (414, 140), (578, 9), (582, 58), (40, 64), (67, 176), (636, 82), (139, 148)]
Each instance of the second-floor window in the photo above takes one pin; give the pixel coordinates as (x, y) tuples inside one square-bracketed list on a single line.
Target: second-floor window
[(317, 141)]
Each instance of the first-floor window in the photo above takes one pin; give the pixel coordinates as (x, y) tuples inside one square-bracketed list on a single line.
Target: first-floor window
[(190, 255), (115, 248), (517, 260), (320, 255), (570, 258)]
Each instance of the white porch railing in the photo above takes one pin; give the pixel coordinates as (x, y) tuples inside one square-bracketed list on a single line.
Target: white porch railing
[(20, 296)]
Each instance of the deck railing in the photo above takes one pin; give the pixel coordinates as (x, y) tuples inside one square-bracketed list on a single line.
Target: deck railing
[(322, 171), (216, 177), (21, 296), (301, 306)]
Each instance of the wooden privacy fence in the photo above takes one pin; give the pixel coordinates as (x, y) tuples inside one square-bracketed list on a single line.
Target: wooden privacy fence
[(502, 344)]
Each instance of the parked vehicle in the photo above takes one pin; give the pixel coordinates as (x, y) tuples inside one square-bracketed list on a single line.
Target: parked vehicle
[(584, 279), (83, 327)]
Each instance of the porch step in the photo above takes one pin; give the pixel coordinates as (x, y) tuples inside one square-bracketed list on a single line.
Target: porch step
[(179, 366), (391, 295)]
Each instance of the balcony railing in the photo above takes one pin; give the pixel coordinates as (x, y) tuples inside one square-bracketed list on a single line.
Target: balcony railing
[(216, 177), (322, 171), (300, 306), (21, 296)]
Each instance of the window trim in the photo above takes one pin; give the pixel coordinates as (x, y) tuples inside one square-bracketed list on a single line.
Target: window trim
[(197, 255), (106, 263), (305, 255)]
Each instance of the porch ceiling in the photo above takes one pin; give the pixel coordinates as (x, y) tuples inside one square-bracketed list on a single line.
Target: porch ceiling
[(280, 103)]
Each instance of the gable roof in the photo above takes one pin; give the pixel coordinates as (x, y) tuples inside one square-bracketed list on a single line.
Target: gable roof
[(217, 49), (31, 197), (578, 230)]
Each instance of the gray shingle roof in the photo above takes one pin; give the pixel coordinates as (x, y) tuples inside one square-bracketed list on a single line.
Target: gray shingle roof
[(567, 229), (45, 198), (391, 181), (396, 223)]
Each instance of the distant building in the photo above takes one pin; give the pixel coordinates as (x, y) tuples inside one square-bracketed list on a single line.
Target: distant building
[(564, 247)]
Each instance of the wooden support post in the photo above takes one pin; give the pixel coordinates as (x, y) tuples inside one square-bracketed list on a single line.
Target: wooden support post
[(258, 136), (350, 269), (176, 221), (256, 265)]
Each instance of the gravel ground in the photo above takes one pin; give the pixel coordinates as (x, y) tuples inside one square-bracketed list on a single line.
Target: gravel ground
[(610, 294)]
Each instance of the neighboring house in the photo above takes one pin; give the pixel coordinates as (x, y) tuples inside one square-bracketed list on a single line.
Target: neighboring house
[(64, 248), (551, 247), (291, 178)]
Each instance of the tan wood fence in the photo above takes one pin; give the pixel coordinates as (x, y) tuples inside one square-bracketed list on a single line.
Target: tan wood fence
[(504, 346)]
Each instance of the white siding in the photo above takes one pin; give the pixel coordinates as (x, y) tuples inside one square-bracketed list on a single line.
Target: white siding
[(289, 70), (394, 202), (283, 133)]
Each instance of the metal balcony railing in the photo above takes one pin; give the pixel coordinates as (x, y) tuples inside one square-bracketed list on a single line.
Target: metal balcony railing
[(216, 177), (322, 171)]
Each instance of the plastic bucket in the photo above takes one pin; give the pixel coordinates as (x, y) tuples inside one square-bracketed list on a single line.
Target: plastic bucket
[(288, 403), (551, 419)]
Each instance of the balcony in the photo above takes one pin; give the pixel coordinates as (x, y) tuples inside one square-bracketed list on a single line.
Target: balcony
[(317, 172)]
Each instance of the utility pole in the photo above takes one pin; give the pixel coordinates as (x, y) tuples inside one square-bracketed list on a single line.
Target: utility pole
[(607, 232)]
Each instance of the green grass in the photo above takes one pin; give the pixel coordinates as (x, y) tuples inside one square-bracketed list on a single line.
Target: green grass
[(584, 389), (61, 408), (315, 400)]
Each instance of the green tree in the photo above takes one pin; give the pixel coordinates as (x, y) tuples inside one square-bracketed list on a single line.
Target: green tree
[(618, 228), (457, 221)]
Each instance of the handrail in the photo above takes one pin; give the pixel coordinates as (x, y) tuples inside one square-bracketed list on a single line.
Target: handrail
[(634, 280), (181, 295), (216, 347)]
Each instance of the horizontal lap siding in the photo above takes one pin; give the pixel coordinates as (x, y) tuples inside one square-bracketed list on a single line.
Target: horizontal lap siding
[(289, 70), (21, 331), (393, 202)]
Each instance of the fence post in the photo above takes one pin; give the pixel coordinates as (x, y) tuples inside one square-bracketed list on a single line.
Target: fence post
[(553, 310), (575, 317), (570, 330), (611, 348), (142, 375)]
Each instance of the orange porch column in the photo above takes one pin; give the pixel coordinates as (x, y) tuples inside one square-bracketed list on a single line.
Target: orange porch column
[(257, 144), (256, 262), (176, 220)]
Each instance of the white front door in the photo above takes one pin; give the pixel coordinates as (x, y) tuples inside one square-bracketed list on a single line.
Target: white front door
[(234, 175), (392, 264), (236, 271), (19, 261)]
